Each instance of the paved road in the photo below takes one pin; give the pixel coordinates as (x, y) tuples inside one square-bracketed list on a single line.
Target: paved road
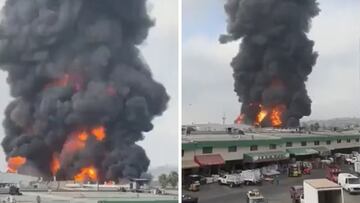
[(214, 193)]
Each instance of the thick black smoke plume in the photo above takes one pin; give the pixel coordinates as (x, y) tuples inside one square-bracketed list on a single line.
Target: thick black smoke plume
[(74, 65), (275, 56)]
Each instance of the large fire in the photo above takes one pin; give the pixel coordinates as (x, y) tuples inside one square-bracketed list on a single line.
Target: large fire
[(87, 173), (261, 115), (14, 163), (276, 113), (273, 113), (76, 143)]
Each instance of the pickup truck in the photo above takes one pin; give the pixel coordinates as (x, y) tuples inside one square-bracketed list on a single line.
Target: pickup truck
[(230, 180)]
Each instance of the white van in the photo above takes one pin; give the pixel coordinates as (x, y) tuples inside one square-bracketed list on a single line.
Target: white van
[(349, 182)]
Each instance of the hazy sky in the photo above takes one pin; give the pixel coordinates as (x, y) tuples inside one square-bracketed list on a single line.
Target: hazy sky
[(160, 50), (333, 85)]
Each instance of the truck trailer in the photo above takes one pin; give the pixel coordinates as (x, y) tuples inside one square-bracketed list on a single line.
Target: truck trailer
[(322, 191)]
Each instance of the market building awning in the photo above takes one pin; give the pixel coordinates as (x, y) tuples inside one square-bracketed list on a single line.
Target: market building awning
[(209, 160), (323, 151), (259, 157), (186, 164), (302, 151)]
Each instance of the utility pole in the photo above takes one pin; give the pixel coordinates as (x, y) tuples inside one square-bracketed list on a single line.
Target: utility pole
[(224, 119)]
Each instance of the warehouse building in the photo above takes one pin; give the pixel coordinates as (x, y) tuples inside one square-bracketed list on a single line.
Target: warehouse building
[(208, 148)]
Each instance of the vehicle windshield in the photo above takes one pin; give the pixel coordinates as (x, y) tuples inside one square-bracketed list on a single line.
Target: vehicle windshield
[(354, 181)]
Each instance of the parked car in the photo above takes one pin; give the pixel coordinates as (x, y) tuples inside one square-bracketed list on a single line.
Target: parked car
[(349, 182), (8, 188), (189, 199), (192, 183), (196, 177), (230, 180)]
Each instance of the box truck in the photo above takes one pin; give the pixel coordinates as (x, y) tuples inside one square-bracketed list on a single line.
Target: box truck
[(322, 191)]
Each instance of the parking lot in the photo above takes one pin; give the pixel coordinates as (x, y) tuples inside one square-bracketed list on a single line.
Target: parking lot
[(214, 193)]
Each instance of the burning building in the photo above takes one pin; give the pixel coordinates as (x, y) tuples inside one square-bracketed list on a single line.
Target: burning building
[(83, 95), (274, 60)]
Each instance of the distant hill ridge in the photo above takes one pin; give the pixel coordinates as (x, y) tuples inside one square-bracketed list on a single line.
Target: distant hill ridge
[(335, 122)]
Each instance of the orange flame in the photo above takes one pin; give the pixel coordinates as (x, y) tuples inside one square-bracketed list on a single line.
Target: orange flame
[(276, 116), (261, 115), (14, 163), (99, 133), (77, 141), (82, 136), (87, 173), (55, 164)]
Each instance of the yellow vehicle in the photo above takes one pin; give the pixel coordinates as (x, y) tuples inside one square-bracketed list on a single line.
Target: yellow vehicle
[(294, 170)]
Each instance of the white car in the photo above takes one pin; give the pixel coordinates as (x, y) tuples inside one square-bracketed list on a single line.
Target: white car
[(349, 182)]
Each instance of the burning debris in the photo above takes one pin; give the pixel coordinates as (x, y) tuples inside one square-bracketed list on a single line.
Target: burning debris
[(274, 61), (83, 94)]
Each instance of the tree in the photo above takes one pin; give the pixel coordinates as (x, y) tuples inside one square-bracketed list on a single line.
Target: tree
[(163, 180), (173, 179)]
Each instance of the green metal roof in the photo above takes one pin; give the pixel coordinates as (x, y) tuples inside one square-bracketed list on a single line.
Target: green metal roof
[(227, 143), (302, 151), (265, 156), (324, 151), (263, 142), (319, 138)]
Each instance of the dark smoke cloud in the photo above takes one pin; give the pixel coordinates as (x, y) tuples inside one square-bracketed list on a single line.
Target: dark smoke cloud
[(94, 43), (275, 56)]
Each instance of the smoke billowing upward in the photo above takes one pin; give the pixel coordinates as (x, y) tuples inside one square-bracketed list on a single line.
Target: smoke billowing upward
[(274, 60), (83, 93)]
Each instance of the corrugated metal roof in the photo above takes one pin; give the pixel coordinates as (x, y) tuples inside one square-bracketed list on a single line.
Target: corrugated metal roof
[(16, 178)]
